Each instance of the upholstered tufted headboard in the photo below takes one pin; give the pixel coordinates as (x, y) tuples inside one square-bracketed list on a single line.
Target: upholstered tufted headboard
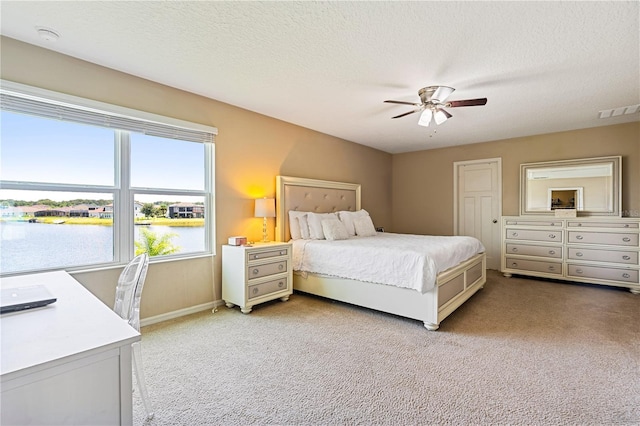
[(311, 195)]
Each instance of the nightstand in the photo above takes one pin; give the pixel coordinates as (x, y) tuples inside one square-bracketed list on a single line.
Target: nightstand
[(256, 274)]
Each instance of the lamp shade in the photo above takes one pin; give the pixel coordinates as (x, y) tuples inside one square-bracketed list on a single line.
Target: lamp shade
[(265, 207), (441, 116)]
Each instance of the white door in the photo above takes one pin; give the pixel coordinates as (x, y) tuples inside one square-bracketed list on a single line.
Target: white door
[(478, 204)]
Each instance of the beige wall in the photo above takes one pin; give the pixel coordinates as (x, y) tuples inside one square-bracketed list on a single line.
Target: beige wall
[(423, 181), (251, 149), (414, 189)]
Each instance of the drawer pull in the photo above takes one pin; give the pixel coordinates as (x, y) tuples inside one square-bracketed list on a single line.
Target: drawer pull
[(514, 249), (552, 252), (579, 224), (283, 252), (255, 271), (578, 271), (514, 234), (626, 225), (256, 256), (552, 236), (514, 264), (280, 284), (626, 239), (625, 275), (255, 291), (552, 268), (579, 254), (579, 237), (281, 267), (625, 257)]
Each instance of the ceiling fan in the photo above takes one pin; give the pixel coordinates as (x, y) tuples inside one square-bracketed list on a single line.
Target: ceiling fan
[(433, 104)]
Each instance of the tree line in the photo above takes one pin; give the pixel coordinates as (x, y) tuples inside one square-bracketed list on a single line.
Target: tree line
[(51, 203)]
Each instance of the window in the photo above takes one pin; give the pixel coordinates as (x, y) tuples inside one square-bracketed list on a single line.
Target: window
[(90, 184)]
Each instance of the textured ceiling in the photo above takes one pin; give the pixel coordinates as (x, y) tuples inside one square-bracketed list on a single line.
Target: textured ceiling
[(328, 66)]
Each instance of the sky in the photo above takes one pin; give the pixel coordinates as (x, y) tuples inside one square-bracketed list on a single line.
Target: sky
[(34, 149)]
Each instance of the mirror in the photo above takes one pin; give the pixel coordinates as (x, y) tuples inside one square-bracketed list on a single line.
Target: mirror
[(590, 185), (565, 198)]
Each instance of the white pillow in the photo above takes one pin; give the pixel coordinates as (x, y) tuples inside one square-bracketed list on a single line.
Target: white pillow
[(315, 224), (347, 218), (294, 224), (334, 230), (304, 227), (294, 228), (364, 226)]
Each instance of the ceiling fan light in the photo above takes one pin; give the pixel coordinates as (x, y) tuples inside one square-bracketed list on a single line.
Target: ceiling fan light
[(425, 118), (441, 116)]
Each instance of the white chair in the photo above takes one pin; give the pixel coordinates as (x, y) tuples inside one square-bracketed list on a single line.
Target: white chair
[(127, 305)]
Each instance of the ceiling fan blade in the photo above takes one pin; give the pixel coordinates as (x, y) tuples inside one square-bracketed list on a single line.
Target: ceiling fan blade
[(407, 113), (441, 93), (467, 102), (403, 103), (435, 94)]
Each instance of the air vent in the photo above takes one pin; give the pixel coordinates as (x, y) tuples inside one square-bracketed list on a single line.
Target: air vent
[(615, 112)]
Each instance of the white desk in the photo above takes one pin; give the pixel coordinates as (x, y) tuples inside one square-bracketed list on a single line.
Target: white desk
[(66, 363)]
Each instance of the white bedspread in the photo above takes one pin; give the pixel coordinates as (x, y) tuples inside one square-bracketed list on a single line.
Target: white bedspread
[(402, 260)]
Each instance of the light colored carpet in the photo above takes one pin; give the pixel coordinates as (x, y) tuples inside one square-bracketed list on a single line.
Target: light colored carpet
[(519, 352)]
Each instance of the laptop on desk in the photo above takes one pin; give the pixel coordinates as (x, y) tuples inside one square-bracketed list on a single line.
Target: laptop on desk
[(21, 298)]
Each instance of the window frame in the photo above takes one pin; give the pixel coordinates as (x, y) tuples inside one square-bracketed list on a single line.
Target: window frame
[(122, 192)]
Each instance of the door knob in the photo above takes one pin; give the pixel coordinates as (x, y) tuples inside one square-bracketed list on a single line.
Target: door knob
[(495, 220)]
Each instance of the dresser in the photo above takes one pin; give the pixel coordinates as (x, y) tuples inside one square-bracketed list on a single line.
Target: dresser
[(602, 250), (256, 274)]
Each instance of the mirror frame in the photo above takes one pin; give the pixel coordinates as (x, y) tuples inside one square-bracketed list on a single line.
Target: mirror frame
[(616, 184)]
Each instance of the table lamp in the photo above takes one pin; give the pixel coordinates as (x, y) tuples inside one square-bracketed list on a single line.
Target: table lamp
[(265, 207)]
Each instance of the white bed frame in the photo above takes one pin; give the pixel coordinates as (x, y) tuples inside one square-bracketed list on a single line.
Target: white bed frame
[(453, 286)]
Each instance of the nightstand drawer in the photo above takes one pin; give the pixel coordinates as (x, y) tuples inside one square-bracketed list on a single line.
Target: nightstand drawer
[(268, 287), (258, 271), (630, 257), (268, 254), (534, 266), (609, 274), (534, 235), (531, 250)]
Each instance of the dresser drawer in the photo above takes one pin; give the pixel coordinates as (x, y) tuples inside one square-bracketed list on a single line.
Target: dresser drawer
[(608, 238), (534, 266), (610, 274), (534, 235), (534, 222), (267, 254), (531, 250), (268, 287), (258, 271), (626, 225), (617, 256)]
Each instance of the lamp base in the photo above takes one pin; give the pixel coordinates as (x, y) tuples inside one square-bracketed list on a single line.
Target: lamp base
[(265, 239)]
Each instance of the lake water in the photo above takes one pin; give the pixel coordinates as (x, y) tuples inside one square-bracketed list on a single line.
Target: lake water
[(27, 246)]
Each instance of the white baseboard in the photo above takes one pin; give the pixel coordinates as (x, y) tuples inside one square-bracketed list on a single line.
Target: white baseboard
[(180, 313)]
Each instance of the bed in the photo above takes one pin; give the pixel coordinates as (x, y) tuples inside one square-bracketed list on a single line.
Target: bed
[(431, 303)]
